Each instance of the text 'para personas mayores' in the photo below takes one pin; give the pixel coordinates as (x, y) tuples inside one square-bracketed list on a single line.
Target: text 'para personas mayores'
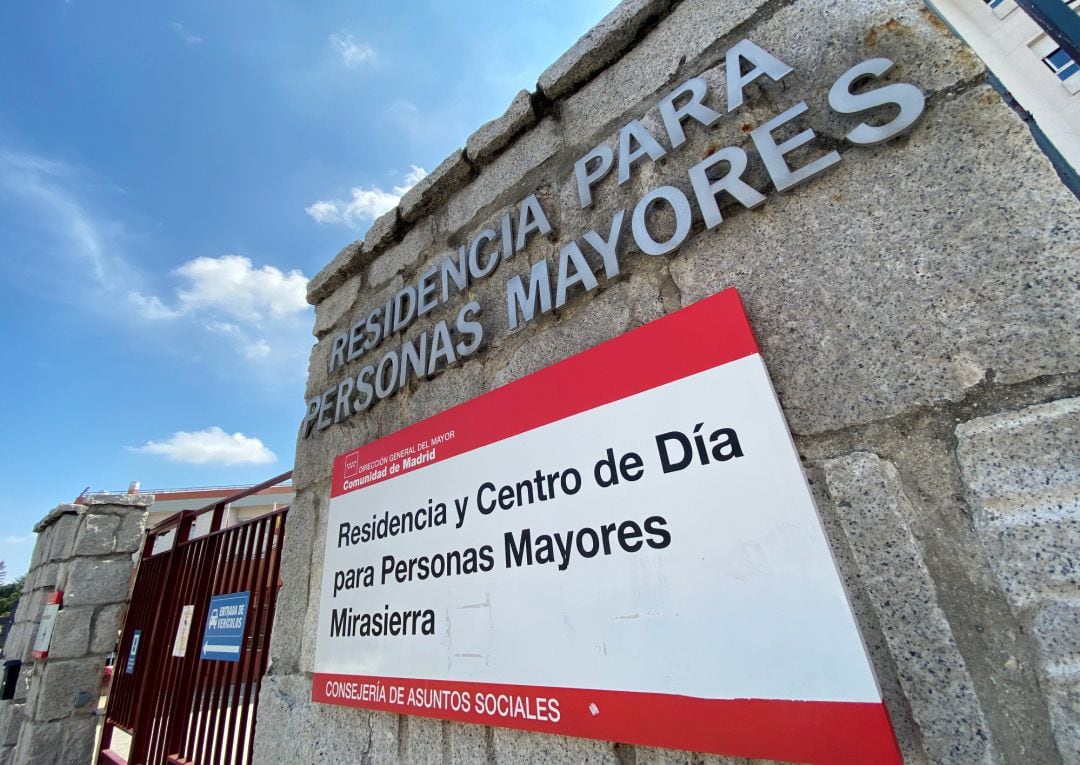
[(518, 548)]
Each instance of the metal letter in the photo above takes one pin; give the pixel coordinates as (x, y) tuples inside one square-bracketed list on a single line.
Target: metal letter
[(539, 291), (609, 250), (679, 203), (458, 273), (646, 144), (582, 274), (531, 218), (764, 63), (337, 349), (475, 269), (706, 191), (425, 294), (909, 98), (586, 179), (772, 154), (695, 108), (467, 326)]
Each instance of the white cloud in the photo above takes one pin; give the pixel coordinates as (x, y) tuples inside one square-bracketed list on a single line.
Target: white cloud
[(48, 186), (210, 446), (14, 540), (366, 204), (259, 349), (262, 312), (150, 307), (183, 34), (352, 53), (232, 285)]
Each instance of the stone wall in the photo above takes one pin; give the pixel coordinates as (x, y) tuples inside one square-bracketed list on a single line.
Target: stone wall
[(916, 305), (87, 551)]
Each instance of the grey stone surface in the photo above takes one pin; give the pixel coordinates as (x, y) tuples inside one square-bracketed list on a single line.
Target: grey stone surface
[(62, 538), (46, 575), (492, 136), (52, 697), (1034, 553), (423, 740), (12, 715), (1056, 626), (66, 742), (600, 46), (517, 746), (41, 546), (456, 385), (296, 575), (647, 755), (1012, 459), (872, 506), (887, 295), (1064, 698), (468, 743), (403, 254), (129, 536), (319, 378), (106, 626), (601, 318), (335, 305), (1022, 473), (382, 232), (433, 189), (1022, 470), (40, 743), (79, 736), (96, 581), (97, 535), (19, 640), (307, 732), (346, 263), (117, 503), (845, 262), (501, 181), (685, 34), (54, 515), (71, 633)]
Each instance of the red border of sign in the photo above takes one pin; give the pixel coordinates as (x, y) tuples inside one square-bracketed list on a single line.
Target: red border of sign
[(821, 732), (702, 336)]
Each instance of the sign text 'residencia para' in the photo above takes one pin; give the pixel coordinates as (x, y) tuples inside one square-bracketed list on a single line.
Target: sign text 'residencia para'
[(547, 285)]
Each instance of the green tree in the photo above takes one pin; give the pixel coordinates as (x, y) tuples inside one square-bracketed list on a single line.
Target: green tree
[(9, 593)]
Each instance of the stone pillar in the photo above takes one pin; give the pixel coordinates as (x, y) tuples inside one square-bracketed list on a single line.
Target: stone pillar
[(88, 552), (915, 305)]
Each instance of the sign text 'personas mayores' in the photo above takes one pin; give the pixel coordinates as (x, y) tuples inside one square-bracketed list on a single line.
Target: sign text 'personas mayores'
[(381, 362), (620, 546)]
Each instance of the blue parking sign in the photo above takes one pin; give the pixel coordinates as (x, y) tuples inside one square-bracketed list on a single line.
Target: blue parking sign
[(224, 633)]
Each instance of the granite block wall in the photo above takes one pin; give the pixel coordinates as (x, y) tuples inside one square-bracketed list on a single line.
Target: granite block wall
[(87, 551), (916, 305)]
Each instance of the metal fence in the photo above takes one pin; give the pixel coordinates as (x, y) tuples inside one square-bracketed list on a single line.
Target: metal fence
[(168, 705)]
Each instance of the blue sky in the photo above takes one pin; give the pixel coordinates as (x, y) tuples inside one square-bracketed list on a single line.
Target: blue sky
[(170, 177)]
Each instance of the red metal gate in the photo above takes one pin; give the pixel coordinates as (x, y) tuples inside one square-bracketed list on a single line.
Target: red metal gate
[(184, 710)]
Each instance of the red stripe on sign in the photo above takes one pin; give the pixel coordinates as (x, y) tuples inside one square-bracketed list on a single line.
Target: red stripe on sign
[(818, 732), (704, 335)]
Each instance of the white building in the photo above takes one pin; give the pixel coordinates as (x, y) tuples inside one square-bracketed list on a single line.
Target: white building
[(1038, 74), (168, 502)]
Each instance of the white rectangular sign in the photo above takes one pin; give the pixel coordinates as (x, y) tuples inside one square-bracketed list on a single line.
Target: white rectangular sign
[(621, 546), (183, 631)]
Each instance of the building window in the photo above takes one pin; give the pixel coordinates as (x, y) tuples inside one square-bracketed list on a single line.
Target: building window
[(1060, 64), (1001, 8)]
